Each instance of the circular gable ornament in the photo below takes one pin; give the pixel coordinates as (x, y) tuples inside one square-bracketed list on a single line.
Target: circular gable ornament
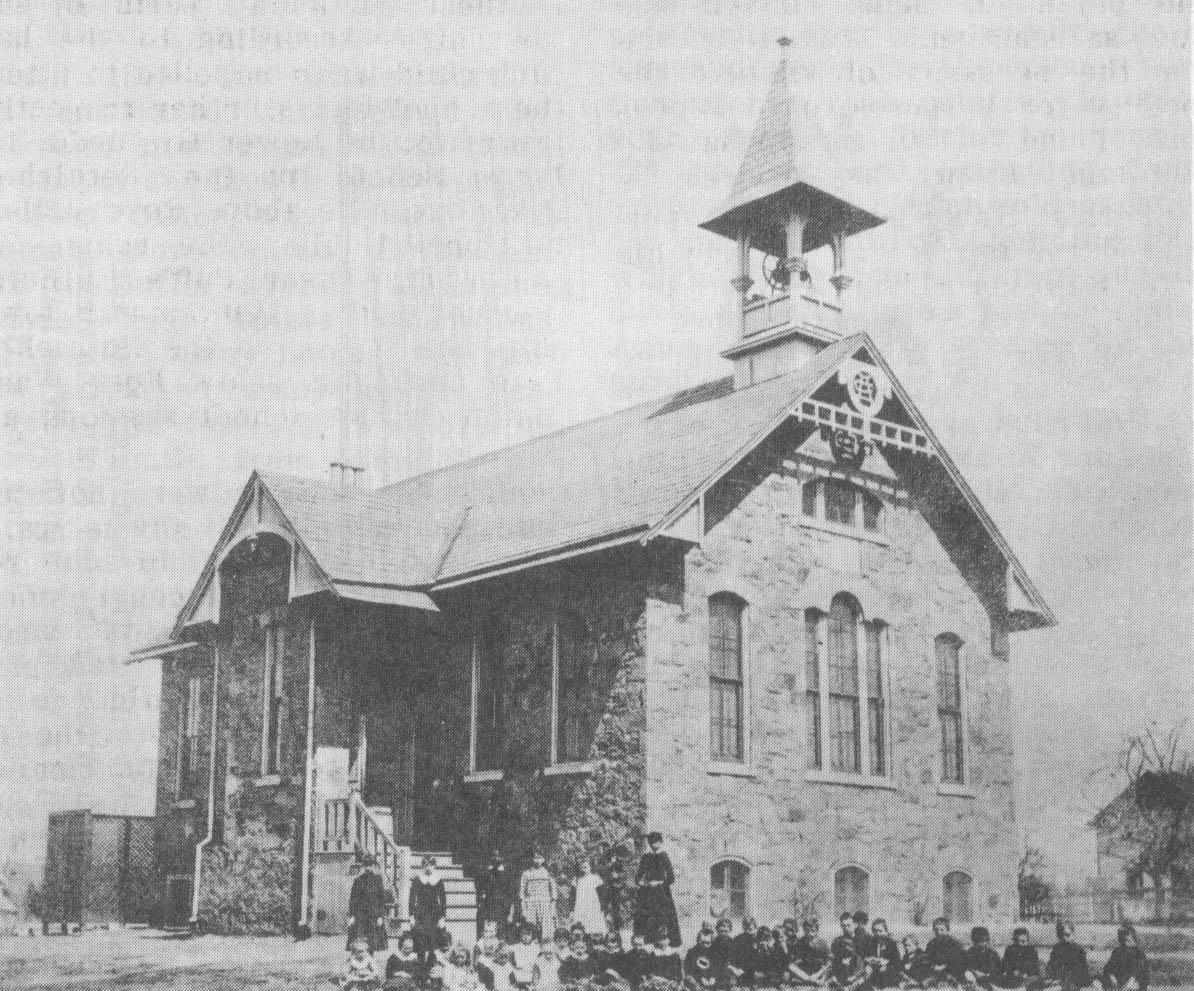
[(866, 390)]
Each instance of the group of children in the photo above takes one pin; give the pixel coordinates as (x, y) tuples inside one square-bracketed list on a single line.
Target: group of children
[(862, 957)]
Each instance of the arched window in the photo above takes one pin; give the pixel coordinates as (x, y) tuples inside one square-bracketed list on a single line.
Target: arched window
[(729, 889), (843, 655), (845, 748), (949, 708), (851, 891), (726, 682), (955, 897)]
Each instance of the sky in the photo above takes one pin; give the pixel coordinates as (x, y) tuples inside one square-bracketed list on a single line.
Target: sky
[(280, 232)]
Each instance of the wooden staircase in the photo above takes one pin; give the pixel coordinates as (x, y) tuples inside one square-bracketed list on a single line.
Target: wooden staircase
[(346, 828)]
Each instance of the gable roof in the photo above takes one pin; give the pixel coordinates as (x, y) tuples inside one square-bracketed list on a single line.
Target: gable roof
[(616, 479)]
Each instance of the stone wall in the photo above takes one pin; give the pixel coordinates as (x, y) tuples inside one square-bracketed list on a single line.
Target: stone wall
[(596, 811), (793, 833)]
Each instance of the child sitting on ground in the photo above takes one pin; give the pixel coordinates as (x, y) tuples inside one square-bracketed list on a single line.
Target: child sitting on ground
[(982, 960), (458, 974), (403, 963), (523, 955), (360, 971)]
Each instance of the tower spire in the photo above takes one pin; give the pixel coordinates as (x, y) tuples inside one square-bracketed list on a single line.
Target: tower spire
[(786, 202)]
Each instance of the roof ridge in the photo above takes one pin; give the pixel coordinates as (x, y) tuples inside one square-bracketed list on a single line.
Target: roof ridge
[(477, 458)]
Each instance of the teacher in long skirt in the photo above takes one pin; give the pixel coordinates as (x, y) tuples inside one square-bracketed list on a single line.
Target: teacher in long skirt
[(654, 908)]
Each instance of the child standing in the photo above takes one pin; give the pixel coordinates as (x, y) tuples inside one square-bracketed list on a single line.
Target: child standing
[(588, 911), (537, 893)]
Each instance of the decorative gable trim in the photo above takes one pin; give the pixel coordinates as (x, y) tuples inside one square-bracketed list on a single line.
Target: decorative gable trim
[(917, 438), (256, 512)]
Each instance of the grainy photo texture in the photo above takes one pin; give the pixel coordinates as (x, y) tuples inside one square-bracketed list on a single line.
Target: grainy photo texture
[(568, 496)]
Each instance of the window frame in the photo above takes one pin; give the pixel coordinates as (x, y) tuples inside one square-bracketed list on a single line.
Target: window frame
[(961, 784), (721, 765), (559, 621), (957, 872), (816, 623), (736, 685), (867, 875), (747, 891), (819, 518), (273, 693), (482, 641), (187, 757)]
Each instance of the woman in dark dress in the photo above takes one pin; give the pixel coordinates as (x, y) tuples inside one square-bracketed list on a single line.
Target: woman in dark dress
[(367, 907), (654, 908), (428, 905)]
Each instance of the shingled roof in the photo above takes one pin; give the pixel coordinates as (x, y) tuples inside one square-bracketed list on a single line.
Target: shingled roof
[(616, 476), (615, 479)]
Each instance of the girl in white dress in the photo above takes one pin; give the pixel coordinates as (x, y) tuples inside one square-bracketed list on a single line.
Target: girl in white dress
[(587, 911)]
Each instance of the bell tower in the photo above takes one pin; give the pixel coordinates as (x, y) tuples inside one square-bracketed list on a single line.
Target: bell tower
[(784, 205)]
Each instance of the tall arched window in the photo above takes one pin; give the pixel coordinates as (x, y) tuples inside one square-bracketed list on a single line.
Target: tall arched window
[(729, 889), (726, 681), (845, 748), (955, 897), (949, 708), (844, 664), (851, 891)]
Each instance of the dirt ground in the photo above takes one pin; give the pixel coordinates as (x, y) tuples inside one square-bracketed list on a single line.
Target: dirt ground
[(150, 959), (138, 958)]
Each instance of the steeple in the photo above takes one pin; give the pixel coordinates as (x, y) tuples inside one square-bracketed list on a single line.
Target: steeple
[(785, 203)]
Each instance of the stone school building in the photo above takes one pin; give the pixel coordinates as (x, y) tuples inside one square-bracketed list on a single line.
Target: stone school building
[(765, 615)]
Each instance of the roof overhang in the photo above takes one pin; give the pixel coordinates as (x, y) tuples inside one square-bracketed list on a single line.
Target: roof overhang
[(161, 647), (384, 595), (763, 217)]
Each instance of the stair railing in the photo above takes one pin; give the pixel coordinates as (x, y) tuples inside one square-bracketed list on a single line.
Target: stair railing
[(347, 825)]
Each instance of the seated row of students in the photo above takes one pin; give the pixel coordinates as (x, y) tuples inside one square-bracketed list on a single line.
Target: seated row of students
[(760, 957)]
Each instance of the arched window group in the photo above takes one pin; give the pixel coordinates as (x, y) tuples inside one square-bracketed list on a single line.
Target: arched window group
[(845, 690)]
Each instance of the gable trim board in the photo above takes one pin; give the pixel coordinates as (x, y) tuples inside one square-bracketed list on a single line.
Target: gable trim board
[(391, 530)]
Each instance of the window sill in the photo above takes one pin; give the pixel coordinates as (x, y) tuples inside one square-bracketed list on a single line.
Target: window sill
[(956, 790), (569, 767), (268, 780), (844, 531), (479, 777), (851, 780), (185, 803), (728, 770)]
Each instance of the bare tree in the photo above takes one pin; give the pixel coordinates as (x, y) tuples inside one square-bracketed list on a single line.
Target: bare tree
[(1154, 820)]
